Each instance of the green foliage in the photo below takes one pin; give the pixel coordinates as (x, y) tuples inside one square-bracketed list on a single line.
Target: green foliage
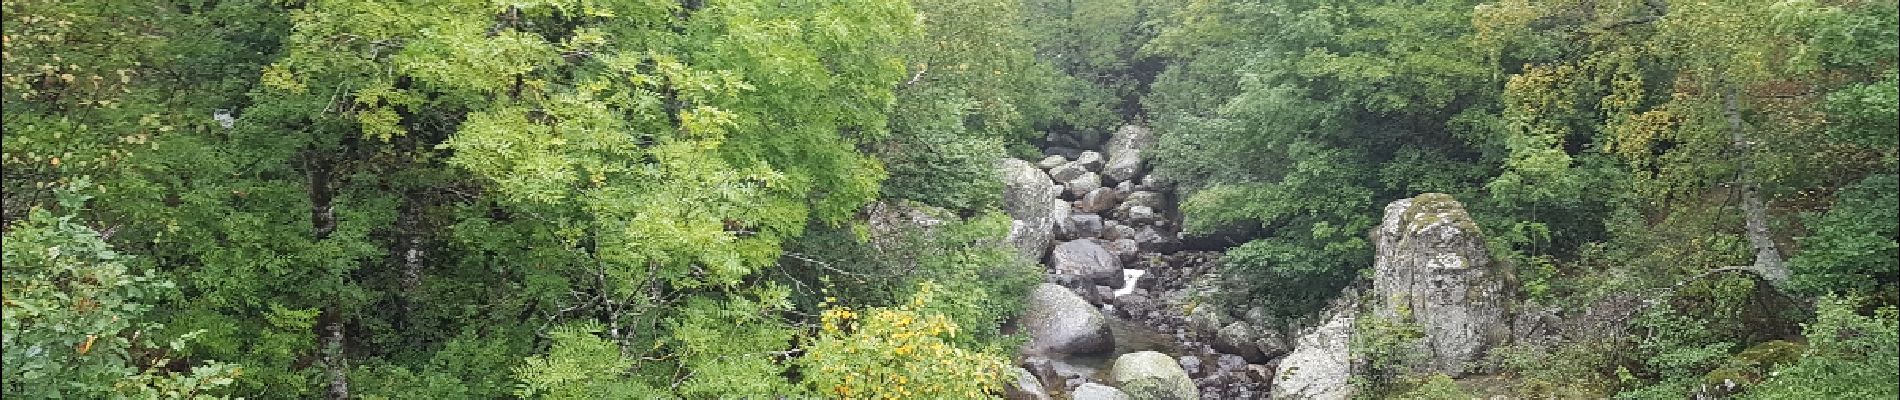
[(1581, 369), (897, 352), (980, 280), (1852, 248), (75, 317), (1850, 355), (1389, 348), (939, 161), (580, 365), (1434, 387)]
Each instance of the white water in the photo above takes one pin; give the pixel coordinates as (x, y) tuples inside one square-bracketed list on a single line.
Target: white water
[(1129, 276)]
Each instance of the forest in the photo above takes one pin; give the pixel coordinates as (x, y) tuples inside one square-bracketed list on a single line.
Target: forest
[(950, 199)]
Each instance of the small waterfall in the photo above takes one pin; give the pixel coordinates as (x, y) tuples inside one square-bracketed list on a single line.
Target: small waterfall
[(1129, 276)]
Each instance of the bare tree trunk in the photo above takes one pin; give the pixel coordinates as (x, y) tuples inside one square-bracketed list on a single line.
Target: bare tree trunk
[(333, 361), (410, 225), (1768, 260), (323, 222)]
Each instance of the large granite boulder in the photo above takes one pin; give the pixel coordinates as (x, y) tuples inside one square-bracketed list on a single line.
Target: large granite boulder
[(1149, 375), (1060, 322), (1432, 268), (1088, 260), (1320, 366), (1125, 150), (1030, 200)]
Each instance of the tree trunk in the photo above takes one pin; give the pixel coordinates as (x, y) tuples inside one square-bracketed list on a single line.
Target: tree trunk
[(1768, 260), (410, 281), (322, 223), (333, 361)]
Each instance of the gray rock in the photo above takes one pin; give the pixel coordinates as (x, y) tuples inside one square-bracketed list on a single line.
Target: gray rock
[(1030, 199), (1090, 160), (1320, 366), (1124, 250), (1432, 266), (1124, 167), (1238, 338), (1051, 162), (1260, 373), (1120, 231), (1097, 391), (1125, 187), (1023, 386), (1042, 368), (1151, 375), (1207, 318), (1086, 259), (1098, 200), (1140, 198), (1125, 152), (1141, 215), (1082, 185), (1080, 226), (1149, 239), (1067, 172), (1060, 322), (1192, 365)]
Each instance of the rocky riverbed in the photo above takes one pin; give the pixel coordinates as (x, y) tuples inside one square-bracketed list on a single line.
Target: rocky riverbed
[(1119, 315)]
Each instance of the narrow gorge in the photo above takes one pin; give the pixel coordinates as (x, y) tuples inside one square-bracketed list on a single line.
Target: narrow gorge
[(1127, 309)]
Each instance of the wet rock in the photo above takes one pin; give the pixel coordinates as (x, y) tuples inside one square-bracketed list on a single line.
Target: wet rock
[(1136, 306), (1060, 322), (1154, 240), (1152, 375), (1125, 250), (1098, 200), (1432, 265), (1051, 162), (1042, 368), (1023, 386), (1086, 259), (1097, 391)]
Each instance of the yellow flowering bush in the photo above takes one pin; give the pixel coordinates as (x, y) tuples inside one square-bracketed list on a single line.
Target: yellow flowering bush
[(896, 353)]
